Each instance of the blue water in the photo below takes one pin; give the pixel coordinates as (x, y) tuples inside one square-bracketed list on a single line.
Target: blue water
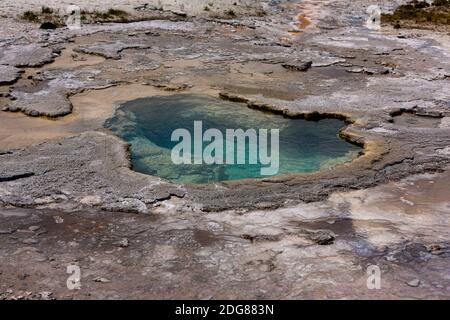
[(147, 124)]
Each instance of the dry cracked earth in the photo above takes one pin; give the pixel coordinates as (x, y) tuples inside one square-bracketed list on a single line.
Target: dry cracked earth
[(69, 197)]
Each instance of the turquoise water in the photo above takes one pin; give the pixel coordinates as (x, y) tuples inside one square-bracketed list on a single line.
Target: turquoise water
[(148, 123)]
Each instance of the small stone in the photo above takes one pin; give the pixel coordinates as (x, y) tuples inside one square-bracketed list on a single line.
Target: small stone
[(91, 200), (373, 71), (6, 231), (22, 276), (30, 241), (322, 237), (46, 295), (405, 201), (58, 219), (102, 280), (152, 33), (414, 283), (390, 258), (298, 65), (436, 249), (73, 244), (124, 243), (34, 228), (355, 70)]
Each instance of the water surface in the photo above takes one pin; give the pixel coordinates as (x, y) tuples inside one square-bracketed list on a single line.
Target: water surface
[(147, 124)]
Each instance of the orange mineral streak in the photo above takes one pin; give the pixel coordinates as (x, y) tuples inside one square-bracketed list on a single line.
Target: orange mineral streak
[(303, 21)]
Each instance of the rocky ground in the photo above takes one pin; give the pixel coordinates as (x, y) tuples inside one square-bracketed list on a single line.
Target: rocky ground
[(69, 197)]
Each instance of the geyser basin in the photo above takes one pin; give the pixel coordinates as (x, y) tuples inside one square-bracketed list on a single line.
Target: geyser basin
[(148, 123)]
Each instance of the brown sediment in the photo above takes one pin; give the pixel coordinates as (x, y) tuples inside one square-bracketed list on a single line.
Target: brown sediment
[(70, 59)]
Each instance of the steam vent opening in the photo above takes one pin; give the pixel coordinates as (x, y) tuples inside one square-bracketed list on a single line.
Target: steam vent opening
[(148, 124)]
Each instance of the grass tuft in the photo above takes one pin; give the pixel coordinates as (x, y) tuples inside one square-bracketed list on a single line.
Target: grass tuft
[(46, 10), (30, 16), (421, 13)]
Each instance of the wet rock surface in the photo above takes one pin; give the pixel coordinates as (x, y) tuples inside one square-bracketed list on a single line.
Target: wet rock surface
[(293, 236)]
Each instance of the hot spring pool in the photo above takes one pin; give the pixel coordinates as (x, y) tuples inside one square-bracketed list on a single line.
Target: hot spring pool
[(148, 124)]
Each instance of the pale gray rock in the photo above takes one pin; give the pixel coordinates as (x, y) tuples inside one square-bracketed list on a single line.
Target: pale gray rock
[(9, 74), (414, 283), (42, 103), (63, 168), (30, 55), (30, 241)]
